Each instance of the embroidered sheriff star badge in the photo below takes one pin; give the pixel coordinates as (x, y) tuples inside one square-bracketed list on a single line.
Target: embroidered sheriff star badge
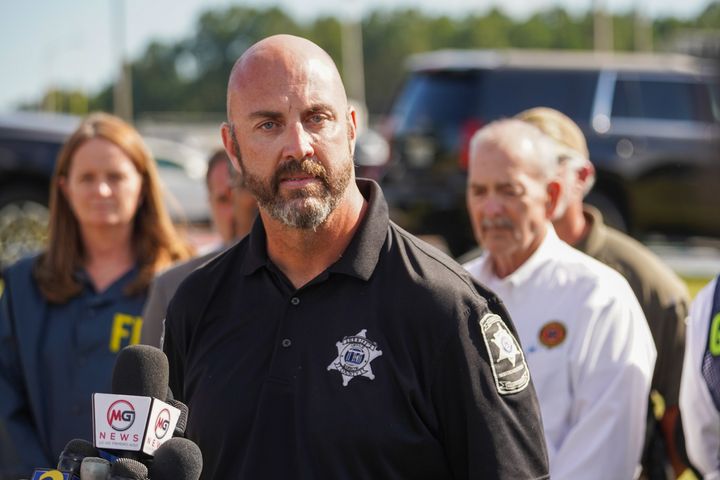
[(354, 356), (506, 346), (506, 358)]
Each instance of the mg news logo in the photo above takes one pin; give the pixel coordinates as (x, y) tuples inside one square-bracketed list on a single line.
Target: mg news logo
[(162, 425), (121, 415)]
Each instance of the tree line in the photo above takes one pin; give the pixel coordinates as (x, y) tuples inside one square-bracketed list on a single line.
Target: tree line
[(190, 75)]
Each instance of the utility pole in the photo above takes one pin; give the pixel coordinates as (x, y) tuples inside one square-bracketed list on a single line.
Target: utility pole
[(602, 27), (122, 92), (643, 40), (352, 59)]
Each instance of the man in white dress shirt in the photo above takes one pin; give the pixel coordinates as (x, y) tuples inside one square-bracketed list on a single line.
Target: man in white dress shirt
[(700, 385), (590, 352)]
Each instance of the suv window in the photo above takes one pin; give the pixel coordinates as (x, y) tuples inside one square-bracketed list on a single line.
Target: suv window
[(447, 103), (508, 92), (433, 101), (662, 100), (453, 97)]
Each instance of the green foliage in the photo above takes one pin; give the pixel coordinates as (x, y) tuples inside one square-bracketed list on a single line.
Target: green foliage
[(710, 18), (68, 101), (191, 75)]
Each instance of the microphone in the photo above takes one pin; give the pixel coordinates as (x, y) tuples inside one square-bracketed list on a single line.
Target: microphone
[(182, 420), (141, 370), (184, 411), (177, 459), (128, 469), (94, 468), (68, 467), (73, 454), (132, 419)]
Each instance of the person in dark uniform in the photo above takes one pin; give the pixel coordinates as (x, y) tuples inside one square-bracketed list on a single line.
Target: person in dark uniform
[(330, 343), (65, 314)]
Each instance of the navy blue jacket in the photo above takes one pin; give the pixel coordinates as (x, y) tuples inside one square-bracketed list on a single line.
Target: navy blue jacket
[(52, 358)]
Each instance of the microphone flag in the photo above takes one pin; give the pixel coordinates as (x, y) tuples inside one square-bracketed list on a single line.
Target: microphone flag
[(131, 422), (52, 474)]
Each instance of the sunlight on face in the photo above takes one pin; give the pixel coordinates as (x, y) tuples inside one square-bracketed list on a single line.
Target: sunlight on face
[(103, 187)]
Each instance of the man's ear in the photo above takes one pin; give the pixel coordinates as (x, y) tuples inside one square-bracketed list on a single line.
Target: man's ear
[(352, 128), (353, 122), (585, 174), (227, 140), (554, 191)]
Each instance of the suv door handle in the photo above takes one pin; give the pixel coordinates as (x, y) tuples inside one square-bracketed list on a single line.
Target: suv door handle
[(625, 148)]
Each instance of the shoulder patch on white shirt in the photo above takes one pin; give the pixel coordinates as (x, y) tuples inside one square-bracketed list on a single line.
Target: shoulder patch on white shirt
[(506, 358)]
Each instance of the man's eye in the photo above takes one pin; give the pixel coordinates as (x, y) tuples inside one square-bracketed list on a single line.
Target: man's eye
[(317, 118), (511, 191), (267, 125), (477, 192)]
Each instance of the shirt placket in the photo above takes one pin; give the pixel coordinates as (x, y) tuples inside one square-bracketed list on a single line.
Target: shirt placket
[(285, 359)]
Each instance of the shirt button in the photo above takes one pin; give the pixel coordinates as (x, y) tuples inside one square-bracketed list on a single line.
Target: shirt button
[(295, 301), (286, 342)]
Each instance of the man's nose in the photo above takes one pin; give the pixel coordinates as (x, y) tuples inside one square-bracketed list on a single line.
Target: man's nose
[(493, 205), (298, 142)]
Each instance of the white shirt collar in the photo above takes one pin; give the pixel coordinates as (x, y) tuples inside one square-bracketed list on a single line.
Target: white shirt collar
[(481, 268)]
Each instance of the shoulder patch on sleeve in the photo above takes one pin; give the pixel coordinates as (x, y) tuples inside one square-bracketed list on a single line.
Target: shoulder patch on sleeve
[(507, 360)]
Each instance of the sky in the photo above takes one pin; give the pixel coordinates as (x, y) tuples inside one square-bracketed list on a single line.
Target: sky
[(78, 43)]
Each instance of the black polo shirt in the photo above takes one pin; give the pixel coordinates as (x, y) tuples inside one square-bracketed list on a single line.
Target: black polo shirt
[(376, 369)]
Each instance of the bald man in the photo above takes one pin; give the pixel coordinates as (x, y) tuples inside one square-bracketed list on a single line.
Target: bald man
[(329, 343)]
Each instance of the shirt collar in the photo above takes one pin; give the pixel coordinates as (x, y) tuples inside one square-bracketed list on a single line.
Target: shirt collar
[(593, 242), (114, 290), (360, 256), (546, 251), (257, 251)]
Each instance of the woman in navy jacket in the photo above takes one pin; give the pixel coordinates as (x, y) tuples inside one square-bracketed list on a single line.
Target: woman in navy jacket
[(66, 313)]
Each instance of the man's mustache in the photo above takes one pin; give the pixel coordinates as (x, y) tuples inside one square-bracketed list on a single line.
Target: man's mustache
[(307, 166), (501, 222)]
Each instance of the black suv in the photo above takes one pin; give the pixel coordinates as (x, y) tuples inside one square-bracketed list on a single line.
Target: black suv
[(652, 123)]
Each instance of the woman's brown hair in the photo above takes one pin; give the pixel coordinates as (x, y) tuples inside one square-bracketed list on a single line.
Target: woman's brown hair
[(155, 241)]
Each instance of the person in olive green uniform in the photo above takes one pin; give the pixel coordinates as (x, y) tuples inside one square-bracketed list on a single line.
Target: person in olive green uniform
[(662, 294)]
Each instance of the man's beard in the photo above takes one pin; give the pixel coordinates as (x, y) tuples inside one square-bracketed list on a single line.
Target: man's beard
[(305, 208)]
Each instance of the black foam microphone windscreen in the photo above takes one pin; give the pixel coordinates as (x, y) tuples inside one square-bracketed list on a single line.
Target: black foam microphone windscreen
[(72, 455), (128, 469), (141, 370), (182, 421), (94, 468), (177, 459)]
